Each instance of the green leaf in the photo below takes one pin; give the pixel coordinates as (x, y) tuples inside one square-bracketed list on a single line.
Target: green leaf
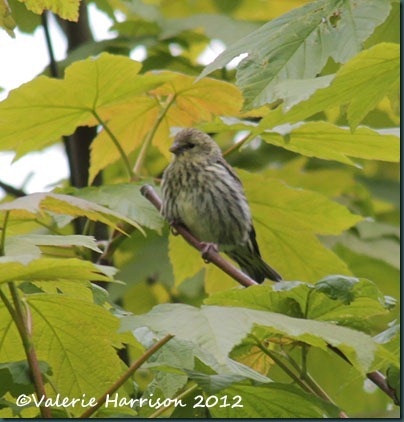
[(338, 287), (183, 268), (84, 360), (218, 329), (393, 379), (33, 206), (329, 182), (176, 354), (371, 75), (384, 249), (323, 301), (12, 269), (16, 379), (213, 383), (297, 45), (330, 142), (125, 199), (270, 401), (17, 245), (214, 26), (286, 221), (39, 112)]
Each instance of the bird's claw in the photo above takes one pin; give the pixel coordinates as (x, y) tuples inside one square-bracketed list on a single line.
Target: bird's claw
[(173, 230), (208, 248)]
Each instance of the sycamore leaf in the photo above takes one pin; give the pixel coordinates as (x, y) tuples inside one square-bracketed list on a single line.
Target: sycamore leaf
[(126, 199), (66, 9), (39, 112), (14, 244), (33, 205), (83, 361), (287, 221), (6, 20), (15, 377), (330, 182), (371, 75), (271, 401), (191, 102), (186, 260), (12, 269), (329, 142), (348, 301), (219, 329), (298, 44)]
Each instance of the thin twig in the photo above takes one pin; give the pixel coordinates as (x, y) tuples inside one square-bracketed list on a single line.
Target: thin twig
[(376, 377), (18, 193), (281, 365), (149, 137), (116, 143), (304, 380), (21, 323), (212, 256), (238, 144), (100, 401), (3, 234), (158, 412)]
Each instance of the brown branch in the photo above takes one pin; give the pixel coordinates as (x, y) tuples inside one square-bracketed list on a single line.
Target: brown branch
[(376, 377), (20, 321), (212, 256), (12, 190), (100, 401)]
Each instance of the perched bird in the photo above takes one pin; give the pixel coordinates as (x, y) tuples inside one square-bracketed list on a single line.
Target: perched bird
[(201, 191)]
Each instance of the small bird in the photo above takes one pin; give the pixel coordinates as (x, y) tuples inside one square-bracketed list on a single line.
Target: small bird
[(202, 191)]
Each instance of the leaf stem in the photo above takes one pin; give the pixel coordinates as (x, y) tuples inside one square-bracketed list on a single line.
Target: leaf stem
[(149, 137), (281, 365), (162, 409), (116, 143), (239, 144), (22, 325), (128, 373), (3, 233), (305, 380)]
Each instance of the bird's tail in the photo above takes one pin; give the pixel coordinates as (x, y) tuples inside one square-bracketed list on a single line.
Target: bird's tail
[(254, 266)]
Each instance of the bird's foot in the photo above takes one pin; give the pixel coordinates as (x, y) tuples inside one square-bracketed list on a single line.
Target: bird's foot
[(173, 230), (208, 248)]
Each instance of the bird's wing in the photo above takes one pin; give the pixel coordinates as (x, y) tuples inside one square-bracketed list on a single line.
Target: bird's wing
[(252, 241), (229, 169)]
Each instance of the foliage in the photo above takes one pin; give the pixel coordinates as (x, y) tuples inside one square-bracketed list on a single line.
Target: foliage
[(309, 117)]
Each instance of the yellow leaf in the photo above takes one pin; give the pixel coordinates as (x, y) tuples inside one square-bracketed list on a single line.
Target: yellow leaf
[(6, 20), (186, 260), (66, 9), (191, 102), (41, 111), (36, 204)]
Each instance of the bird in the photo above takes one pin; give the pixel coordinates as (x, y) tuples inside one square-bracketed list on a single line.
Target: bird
[(201, 191)]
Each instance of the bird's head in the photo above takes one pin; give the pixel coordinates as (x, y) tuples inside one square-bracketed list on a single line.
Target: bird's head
[(194, 145)]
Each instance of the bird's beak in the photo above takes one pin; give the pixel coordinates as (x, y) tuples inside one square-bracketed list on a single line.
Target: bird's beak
[(174, 147)]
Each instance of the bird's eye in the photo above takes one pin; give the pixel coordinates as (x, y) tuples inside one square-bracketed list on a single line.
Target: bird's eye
[(190, 146)]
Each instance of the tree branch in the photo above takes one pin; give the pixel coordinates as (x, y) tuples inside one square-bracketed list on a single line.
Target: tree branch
[(212, 256), (20, 320), (376, 377), (100, 401), (12, 190)]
